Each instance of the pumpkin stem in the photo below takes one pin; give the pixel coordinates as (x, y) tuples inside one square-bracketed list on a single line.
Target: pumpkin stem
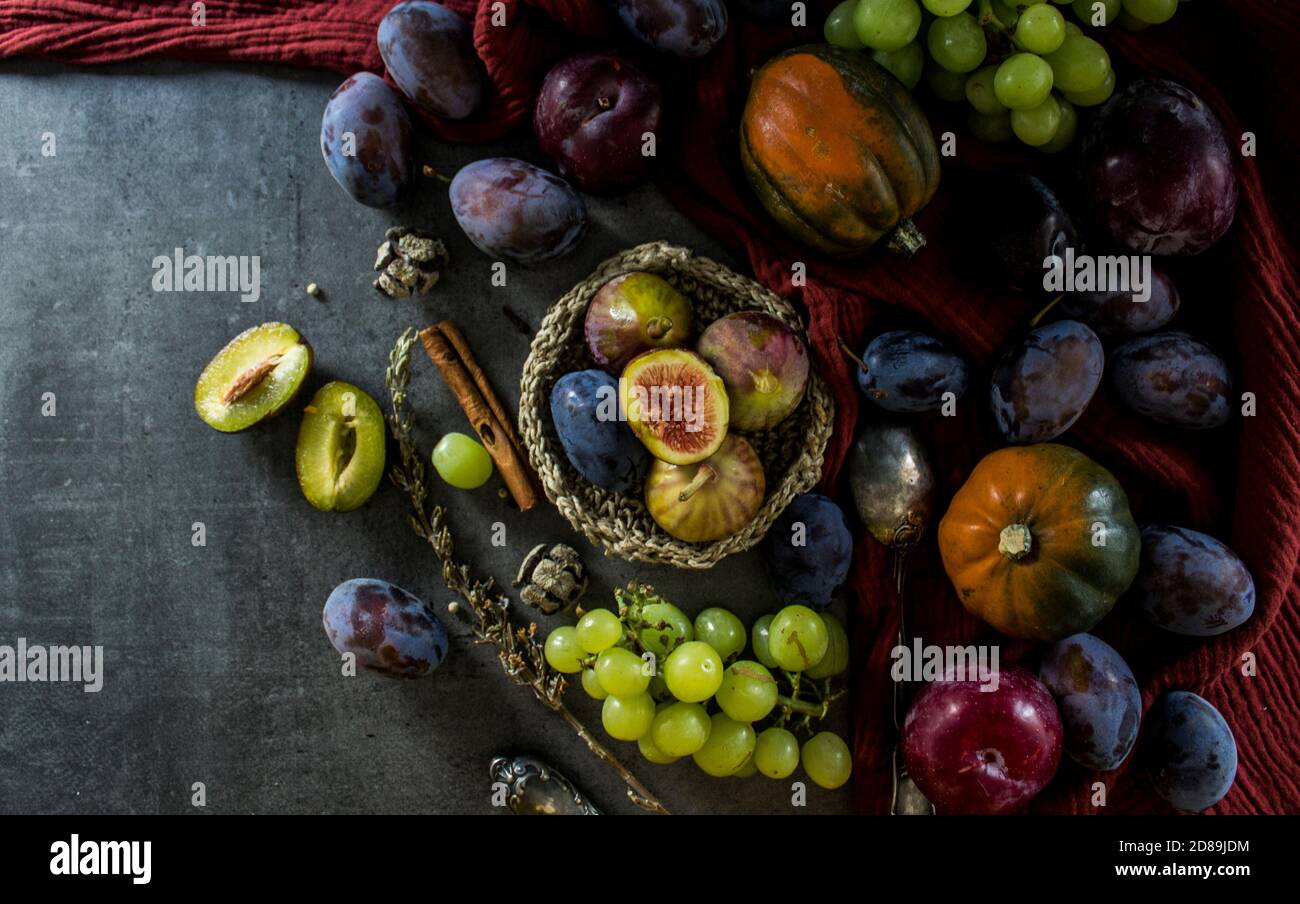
[(906, 238), (1015, 542)]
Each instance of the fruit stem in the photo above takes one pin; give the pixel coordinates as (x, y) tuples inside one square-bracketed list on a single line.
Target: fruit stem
[(856, 360), (765, 382), (803, 707), (658, 327), (906, 238), (989, 19), (705, 474), (1015, 541), (1046, 308)]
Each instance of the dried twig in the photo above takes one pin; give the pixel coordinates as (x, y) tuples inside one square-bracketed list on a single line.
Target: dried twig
[(519, 650)]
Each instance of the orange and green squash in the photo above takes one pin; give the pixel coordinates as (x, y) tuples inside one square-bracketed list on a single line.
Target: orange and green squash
[(1039, 542), (837, 151)]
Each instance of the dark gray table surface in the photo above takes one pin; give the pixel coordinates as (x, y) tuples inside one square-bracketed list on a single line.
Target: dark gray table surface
[(217, 669)]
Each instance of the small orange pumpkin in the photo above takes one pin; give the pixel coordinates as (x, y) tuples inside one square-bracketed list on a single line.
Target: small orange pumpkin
[(1039, 542), (837, 150)]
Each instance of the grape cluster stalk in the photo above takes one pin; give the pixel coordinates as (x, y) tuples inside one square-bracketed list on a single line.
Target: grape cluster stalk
[(520, 653)]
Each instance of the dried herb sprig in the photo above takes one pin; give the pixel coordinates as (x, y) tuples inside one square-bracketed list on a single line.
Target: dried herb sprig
[(520, 652)]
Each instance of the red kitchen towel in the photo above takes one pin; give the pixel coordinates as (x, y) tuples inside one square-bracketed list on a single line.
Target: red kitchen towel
[(1241, 483)]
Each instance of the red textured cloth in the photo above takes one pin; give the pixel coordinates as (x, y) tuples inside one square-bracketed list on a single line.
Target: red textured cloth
[(1241, 483)]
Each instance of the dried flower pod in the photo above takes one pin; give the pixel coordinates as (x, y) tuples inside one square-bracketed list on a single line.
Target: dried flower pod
[(552, 579), (409, 262)]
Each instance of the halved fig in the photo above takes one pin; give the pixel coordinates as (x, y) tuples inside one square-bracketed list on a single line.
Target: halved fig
[(340, 454), (675, 404), (253, 377), (709, 500)]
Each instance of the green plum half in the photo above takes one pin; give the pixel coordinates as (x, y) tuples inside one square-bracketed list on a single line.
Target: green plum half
[(253, 377), (340, 454)]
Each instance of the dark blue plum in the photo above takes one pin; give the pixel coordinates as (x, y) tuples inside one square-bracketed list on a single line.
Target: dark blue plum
[(1101, 706), (908, 371), (512, 209), (1189, 752), (429, 52), (1189, 583), (584, 409), (365, 137), (388, 630), (808, 550), (1174, 379), (686, 28)]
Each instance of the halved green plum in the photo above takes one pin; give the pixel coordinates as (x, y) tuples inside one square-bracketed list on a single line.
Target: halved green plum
[(253, 377), (340, 454)]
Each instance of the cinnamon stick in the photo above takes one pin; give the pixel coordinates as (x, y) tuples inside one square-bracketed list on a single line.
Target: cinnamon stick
[(447, 349)]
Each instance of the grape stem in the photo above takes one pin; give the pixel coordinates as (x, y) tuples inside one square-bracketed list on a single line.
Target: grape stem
[(520, 652)]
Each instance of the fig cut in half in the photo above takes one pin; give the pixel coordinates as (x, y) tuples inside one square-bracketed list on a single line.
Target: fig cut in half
[(675, 404), (340, 454), (252, 378)]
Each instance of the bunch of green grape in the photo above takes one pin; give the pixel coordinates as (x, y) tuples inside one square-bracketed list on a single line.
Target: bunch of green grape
[(696, 696), (1022, 67)]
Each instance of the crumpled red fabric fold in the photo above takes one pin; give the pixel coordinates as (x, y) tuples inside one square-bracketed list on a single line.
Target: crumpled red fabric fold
[(1241, 483)]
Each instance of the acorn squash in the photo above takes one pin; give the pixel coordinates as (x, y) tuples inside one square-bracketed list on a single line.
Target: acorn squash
[(1039, 542), (837, 151)]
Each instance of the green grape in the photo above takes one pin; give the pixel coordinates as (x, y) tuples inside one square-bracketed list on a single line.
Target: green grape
[(659, 688), (1130, 22), (746, 769), (627, 718), (1006, 13), (758, 640), (886, 24), (980, 93), (462, 462), (693, 672), (949, 86), (839, 28), (1096, 96), (1041, 29), (621, 672), (957, 43), (1065, 131), (1036, 126), (1057, 2), (905, 64), (836, 659), (599, 630), (826, 759), (680, 729), (1072, 29), (676, 628), (1022, 81), (1080, 64), (591, 684), (1097, 12), (730, 743), (946, 7), (797, 638), (721, 630), (1152, 12), (748, 691), (562, 650), (990, 128), (776, 753), (646, 745)]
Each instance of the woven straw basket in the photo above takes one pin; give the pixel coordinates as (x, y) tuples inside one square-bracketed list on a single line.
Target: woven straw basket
[(791, 452)]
